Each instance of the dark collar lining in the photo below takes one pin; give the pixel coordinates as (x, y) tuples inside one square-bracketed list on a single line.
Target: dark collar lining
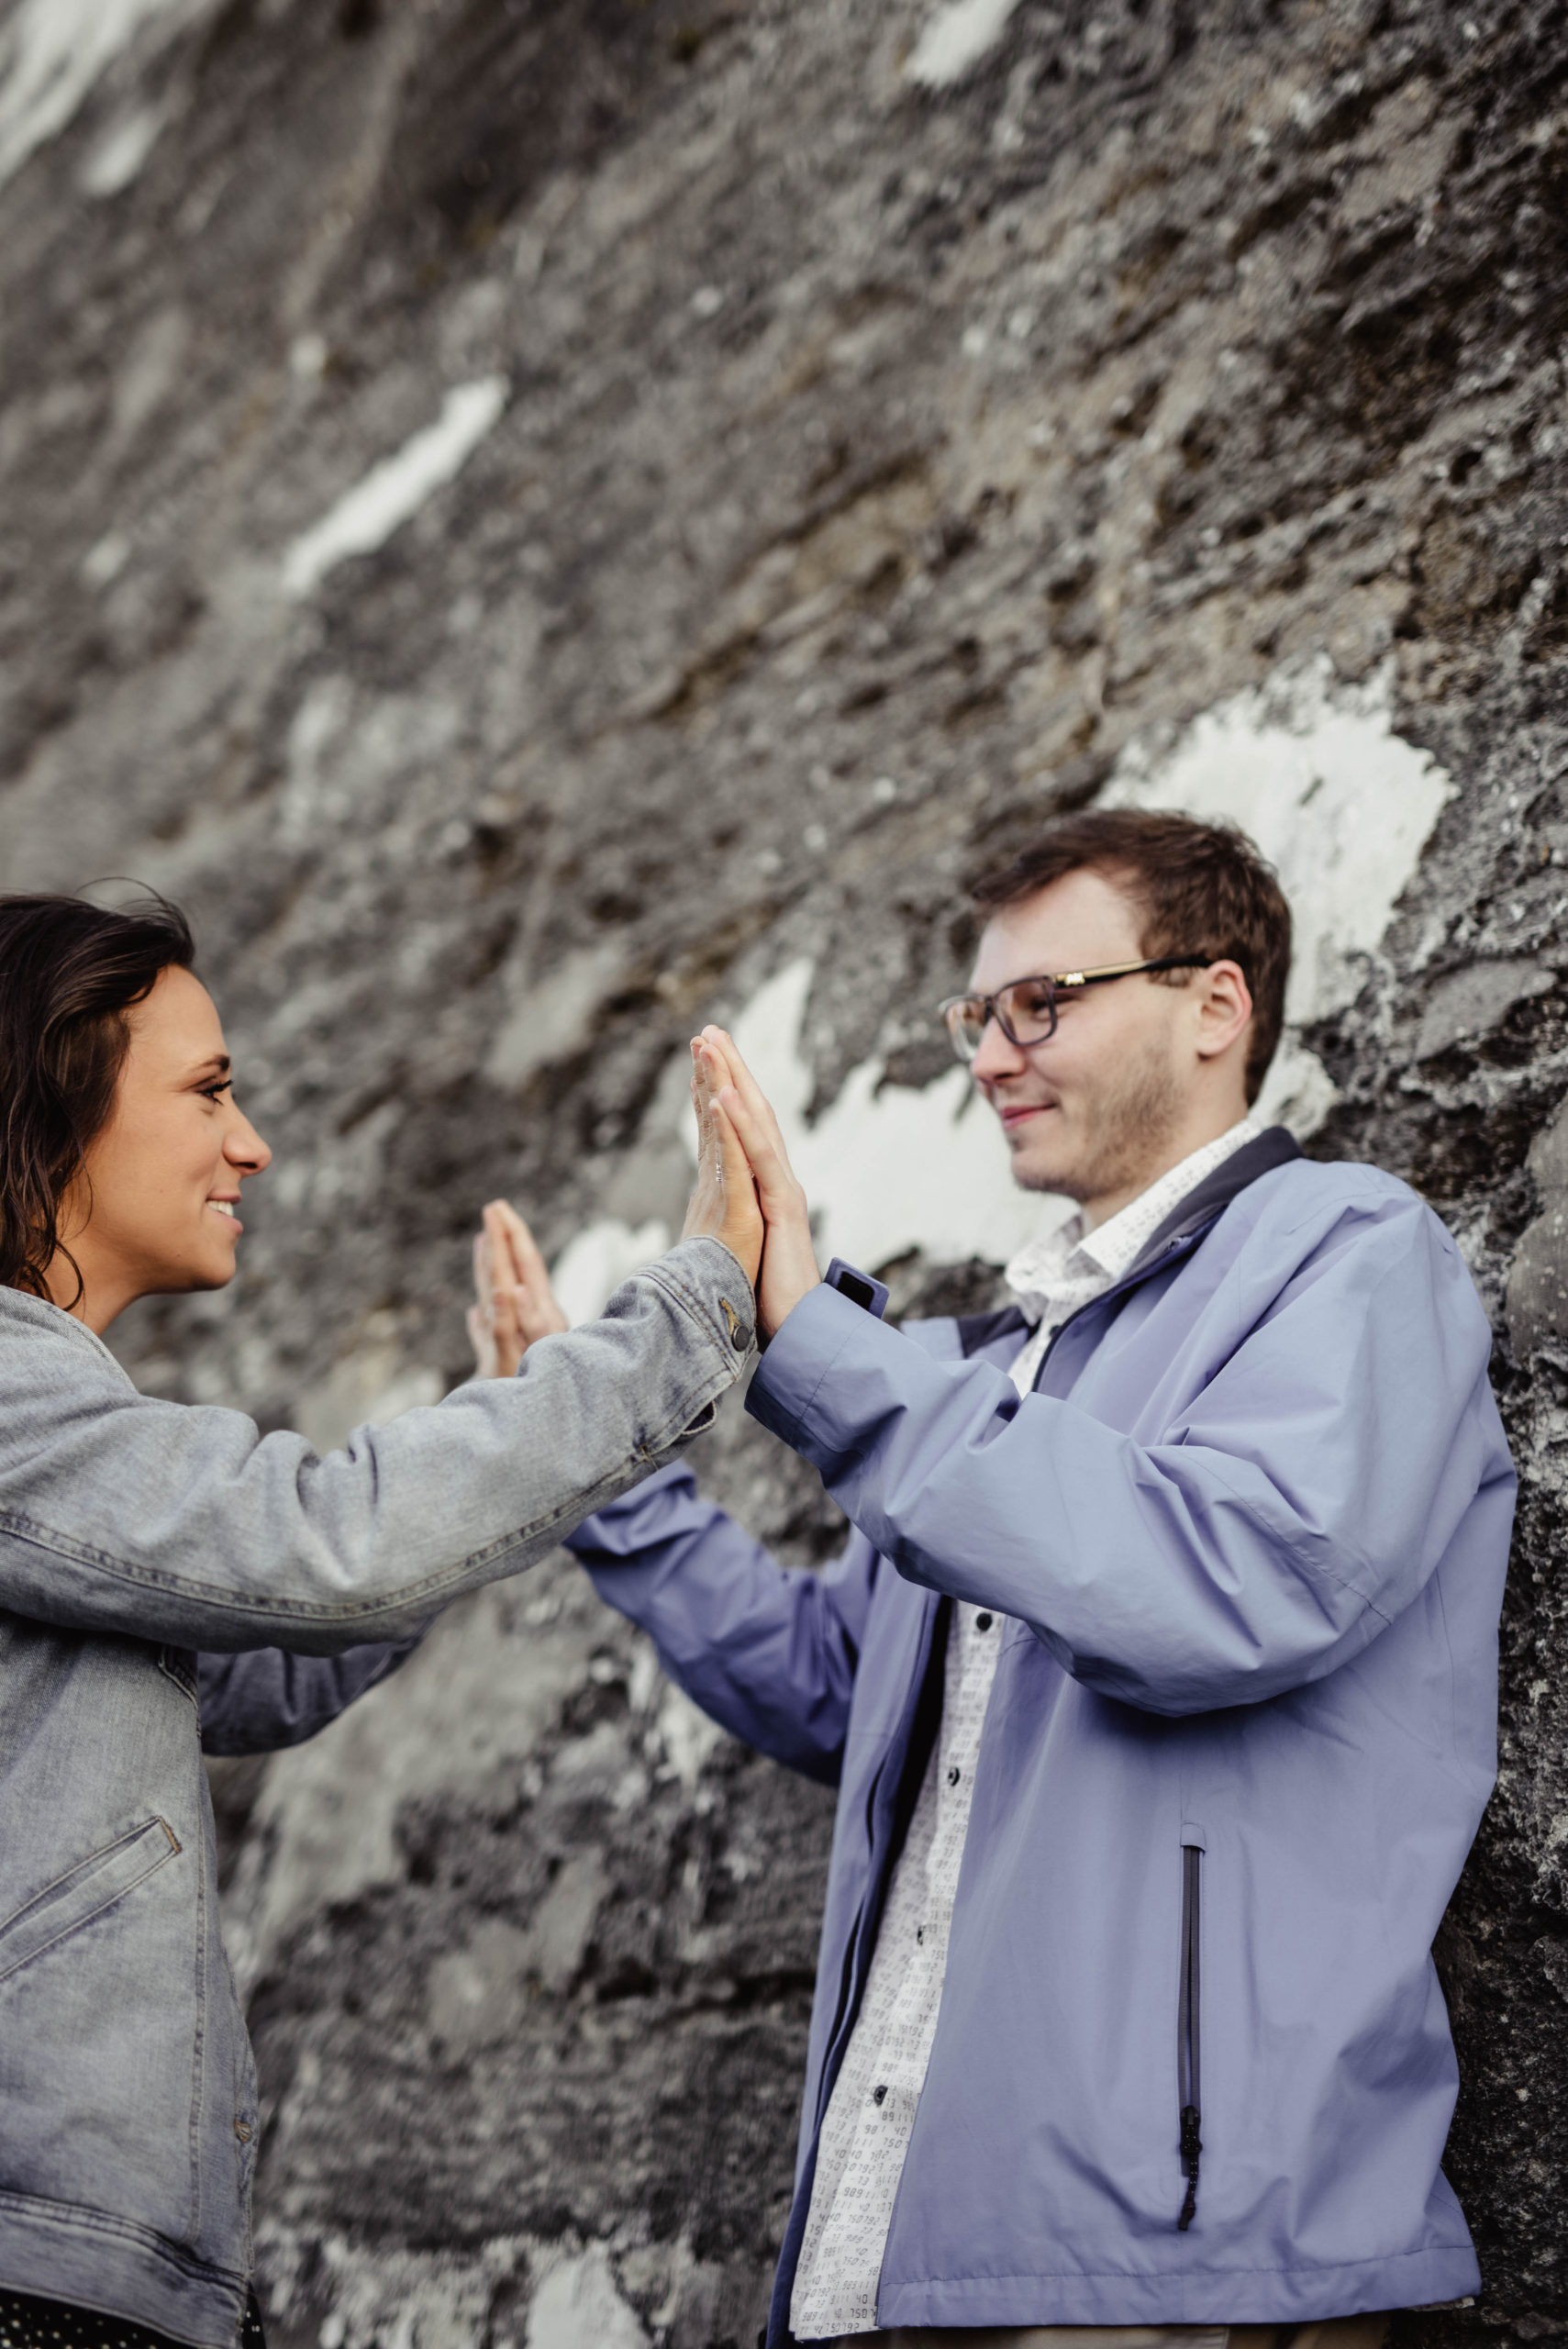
[(1274, 1147)]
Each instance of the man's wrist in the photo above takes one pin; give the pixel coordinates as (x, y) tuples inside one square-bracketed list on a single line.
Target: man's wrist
[(768, 1329)]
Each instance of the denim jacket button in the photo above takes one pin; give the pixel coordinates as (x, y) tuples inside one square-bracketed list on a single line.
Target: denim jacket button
[(242, 2131), (740, 1336)]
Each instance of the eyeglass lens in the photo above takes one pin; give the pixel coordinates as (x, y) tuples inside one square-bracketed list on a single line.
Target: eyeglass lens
[(1026, 1012)]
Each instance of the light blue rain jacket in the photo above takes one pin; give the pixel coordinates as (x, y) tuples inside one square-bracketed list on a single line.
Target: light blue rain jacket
[(1250, 1531)]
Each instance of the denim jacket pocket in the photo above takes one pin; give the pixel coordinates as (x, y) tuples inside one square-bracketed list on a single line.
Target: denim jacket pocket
[(84, 1892), (179, 1664)]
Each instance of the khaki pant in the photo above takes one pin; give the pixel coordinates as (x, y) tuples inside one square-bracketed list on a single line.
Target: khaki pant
[(1330, 2333)]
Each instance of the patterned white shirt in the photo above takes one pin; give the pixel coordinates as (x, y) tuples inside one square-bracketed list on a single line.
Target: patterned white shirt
[(870, 2114)]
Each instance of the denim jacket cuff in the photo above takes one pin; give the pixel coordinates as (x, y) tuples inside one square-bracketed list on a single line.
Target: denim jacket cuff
[(712, 1282)]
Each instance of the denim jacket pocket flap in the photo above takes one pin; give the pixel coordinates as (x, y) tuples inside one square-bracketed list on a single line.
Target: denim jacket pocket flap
[(84, 1892)]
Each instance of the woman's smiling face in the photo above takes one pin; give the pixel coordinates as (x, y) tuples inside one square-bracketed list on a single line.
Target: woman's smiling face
[(157, 1208)]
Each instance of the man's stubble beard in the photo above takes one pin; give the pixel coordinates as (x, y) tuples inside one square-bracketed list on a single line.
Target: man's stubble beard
[(1131, 1129)]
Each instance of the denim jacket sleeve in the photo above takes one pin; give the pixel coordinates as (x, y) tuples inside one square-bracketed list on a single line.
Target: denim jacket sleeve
[(261, 1700), (1327, 1433), (768, 1652), (180, 1522)]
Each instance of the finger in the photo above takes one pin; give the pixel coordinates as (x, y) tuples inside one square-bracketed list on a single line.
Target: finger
[(714, 1042), (742, 1226), (511, 1330), (703, 1091), (499, 1240), (726, 1050), (776, 1186), (521, 1245)]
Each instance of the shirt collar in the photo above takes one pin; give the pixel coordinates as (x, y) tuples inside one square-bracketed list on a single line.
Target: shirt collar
[(1067, 1255)]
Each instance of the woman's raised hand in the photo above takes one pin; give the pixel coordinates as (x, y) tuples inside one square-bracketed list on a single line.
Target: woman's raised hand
[(514, 1304), (512, 1300), (723, 1205), (789, 1259)]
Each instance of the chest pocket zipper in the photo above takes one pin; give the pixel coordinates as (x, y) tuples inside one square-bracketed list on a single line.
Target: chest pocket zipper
[(1189, 2087)]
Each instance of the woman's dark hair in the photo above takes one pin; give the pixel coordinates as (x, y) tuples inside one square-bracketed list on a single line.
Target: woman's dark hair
[(1200, 888), (69, 973)]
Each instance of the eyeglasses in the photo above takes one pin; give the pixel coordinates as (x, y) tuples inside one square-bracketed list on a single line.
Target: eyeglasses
[(1026, 1009)]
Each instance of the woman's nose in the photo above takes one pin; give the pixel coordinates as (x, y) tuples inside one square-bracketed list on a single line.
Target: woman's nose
[(246, 1151)]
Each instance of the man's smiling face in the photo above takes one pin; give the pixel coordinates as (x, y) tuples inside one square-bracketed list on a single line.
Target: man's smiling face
[(1099, 1110)]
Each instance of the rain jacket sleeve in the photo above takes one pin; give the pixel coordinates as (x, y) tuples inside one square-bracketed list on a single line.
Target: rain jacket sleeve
[(768, 1652), (266, 1699), (1298, 1495)]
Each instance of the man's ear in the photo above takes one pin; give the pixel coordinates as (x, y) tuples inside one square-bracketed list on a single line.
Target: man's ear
[(1225, 1008)]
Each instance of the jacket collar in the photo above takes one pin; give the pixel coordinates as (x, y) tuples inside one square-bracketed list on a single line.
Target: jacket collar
[(1187, 1222)]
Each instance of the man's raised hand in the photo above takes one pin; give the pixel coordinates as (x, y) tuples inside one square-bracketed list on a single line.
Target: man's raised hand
[(512, 1300), (789, 1259)]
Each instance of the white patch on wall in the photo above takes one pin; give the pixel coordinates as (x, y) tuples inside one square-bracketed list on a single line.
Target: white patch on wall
[(119, 155), (590, 1267), (690, 1738), (555, 1019), (886, 1171), (955, 38), (578, 2307), (892, 1169), (392, 492), (1339, 804), (53, 54)]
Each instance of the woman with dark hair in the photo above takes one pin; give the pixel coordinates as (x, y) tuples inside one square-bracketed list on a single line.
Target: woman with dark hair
[(156, 1555)]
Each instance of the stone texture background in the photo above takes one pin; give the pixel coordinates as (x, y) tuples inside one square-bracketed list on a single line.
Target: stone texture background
[(856, 436)]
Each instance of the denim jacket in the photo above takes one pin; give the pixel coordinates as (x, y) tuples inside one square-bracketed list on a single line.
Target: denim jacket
[(134, 1532)]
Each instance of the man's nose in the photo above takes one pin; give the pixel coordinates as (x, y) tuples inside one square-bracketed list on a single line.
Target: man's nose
[(998, 1056)]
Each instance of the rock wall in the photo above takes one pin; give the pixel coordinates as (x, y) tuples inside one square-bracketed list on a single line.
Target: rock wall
[(541, 523)]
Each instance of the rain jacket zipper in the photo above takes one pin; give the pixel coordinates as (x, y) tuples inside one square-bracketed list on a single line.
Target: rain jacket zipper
[(1189, 2087)]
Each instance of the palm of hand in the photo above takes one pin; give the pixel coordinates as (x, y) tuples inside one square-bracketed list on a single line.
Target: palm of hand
[(514, 1304)]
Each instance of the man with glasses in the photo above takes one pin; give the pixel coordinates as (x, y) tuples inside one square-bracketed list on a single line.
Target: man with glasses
[(1158, 1678)]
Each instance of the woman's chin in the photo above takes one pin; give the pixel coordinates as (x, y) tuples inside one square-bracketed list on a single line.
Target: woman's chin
[(212, 1269)]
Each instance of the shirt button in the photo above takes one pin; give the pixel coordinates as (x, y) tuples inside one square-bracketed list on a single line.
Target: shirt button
[(953, 1775), (919, 1932), (877, 2095), (983, 1622)]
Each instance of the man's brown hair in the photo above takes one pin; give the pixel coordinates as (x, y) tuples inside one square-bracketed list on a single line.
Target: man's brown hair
[(1199, 889)]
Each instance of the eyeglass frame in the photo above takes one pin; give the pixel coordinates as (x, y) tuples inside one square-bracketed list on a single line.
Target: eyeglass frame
[(1056, 981)]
